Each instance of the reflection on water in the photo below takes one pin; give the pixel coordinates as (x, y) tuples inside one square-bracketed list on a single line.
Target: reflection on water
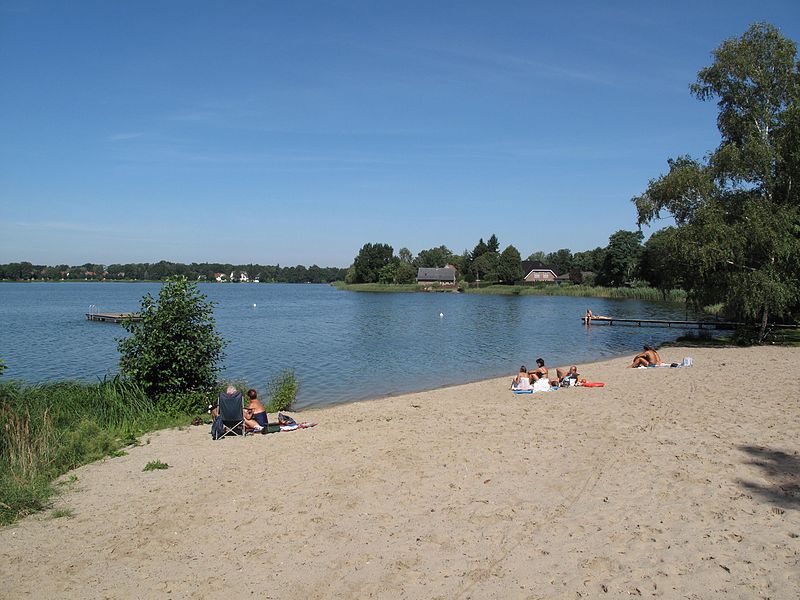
[(343, 345)]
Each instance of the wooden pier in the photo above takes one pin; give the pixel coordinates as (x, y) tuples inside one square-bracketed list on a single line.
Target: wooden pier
[(113, 317), (673, 323)]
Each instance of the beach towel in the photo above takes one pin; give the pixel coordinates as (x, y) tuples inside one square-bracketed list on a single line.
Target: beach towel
[(528, 391), (296, 426), (593, 384)]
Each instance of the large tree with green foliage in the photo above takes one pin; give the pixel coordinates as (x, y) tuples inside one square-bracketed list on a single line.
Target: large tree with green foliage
[(738, 212), (433, 257), (509, 265), (621, 258), (174, 348), (560, 261), (369, 262)]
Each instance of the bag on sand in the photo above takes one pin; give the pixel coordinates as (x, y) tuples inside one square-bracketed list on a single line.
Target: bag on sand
[(217, 428)]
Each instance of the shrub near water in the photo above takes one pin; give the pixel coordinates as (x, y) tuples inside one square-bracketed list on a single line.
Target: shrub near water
[(49, 429), (282, 391)]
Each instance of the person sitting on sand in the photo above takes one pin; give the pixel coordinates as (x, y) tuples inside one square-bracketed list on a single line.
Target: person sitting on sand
[(249, 422), (563, 376), (540, 372), (255, 412), (648, 358), (522, 381)]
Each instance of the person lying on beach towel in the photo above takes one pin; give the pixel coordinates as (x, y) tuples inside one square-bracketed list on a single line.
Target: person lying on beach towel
[(649, 357)]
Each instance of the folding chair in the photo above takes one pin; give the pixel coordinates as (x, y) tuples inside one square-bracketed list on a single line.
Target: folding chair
[(230, 409)]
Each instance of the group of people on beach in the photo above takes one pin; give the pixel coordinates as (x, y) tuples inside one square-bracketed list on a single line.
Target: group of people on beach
[(539, 378), (253, 413)]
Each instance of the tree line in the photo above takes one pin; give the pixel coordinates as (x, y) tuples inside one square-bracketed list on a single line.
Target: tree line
[(25, 271), (624, 261)]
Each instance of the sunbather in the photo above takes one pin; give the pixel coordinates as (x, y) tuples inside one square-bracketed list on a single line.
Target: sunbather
[(648, 358), (564, 375), (540, 372), (255, 414), (522, 381)]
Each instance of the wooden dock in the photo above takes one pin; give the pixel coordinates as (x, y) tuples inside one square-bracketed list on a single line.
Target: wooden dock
[(673, 323), (113, 317)]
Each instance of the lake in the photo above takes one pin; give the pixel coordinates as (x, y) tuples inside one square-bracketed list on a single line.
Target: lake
[(343, 345)]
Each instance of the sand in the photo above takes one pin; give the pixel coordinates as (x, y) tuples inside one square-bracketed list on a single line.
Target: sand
[(671, 483)]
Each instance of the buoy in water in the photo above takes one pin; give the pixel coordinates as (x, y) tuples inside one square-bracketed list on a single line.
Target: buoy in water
[(441, 315), (254, 305)]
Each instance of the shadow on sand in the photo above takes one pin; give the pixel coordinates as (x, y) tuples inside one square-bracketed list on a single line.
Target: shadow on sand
[(782, 472)]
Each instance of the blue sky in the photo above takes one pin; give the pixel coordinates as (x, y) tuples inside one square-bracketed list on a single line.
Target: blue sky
[(293, 133)]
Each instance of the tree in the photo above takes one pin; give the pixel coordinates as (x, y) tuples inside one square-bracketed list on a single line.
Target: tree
[(663, 260), (405, 255), (537, 256), (435, 257), (369, 262), (406, 273), (739, 210), (174, 348), (485, 266), (560, 261), (493, 245), (480, 249), (388, 273), (509, 266), (590, 260), (621, 257)]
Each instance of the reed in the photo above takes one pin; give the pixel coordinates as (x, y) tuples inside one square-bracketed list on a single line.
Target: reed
[(376, 287), (48, 429), (282, 391), (586, 291)]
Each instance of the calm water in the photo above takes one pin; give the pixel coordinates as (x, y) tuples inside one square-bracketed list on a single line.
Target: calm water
[(342, 345)]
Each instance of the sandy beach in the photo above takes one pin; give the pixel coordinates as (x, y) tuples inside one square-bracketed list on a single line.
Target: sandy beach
[(670, 483)]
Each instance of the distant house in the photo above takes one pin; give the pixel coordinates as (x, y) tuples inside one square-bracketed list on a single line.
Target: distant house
[(441, 275), (536, 272), (243, 277), (564, 278), (219, 277)]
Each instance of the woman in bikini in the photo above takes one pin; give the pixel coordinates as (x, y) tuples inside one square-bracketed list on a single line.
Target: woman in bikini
[(540, 372)]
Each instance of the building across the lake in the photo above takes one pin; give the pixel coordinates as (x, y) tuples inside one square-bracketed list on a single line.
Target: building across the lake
[(536, 272), (445, 276)]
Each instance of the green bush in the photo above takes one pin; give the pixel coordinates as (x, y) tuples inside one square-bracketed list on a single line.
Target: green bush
[(174, 348), (282, 391)]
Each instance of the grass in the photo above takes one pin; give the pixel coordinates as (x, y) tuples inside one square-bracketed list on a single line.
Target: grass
[(61, 512), (584, 291), (155, 465), (377, 287), (49, 429)]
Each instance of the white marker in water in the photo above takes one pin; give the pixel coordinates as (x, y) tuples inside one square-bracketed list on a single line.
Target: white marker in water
[(441, 315), (254, 305)]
